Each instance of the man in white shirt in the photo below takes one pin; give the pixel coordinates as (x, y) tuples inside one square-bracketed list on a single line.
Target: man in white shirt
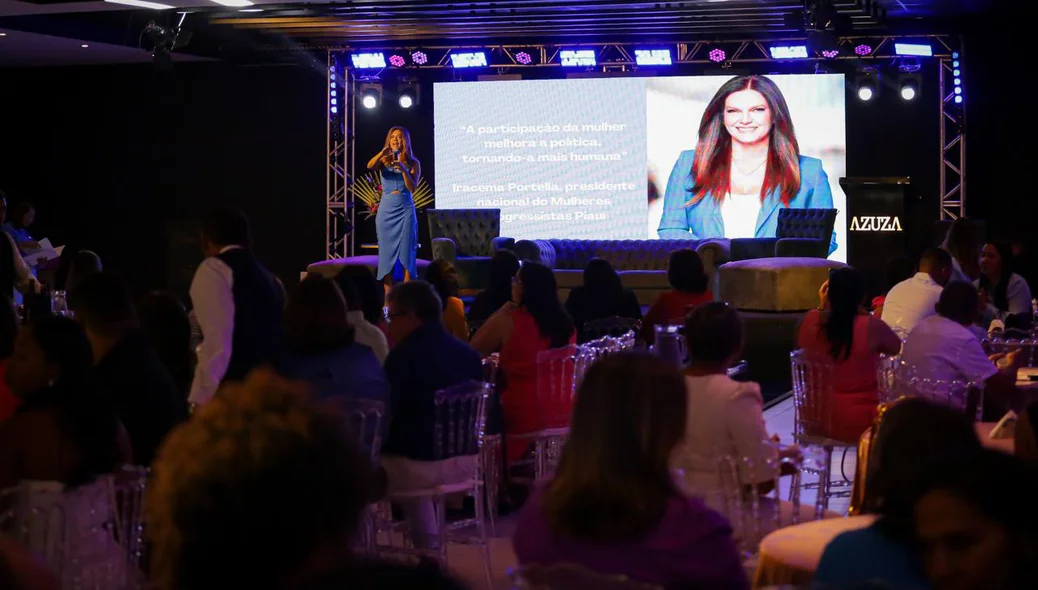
[(366, 333), (942, 347), (239, 305), (914, 299)]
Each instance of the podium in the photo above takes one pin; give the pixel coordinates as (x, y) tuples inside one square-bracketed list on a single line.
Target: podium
[(879, 225)]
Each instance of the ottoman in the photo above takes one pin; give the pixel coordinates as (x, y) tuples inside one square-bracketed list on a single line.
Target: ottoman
[(330, 268), (774, 284)]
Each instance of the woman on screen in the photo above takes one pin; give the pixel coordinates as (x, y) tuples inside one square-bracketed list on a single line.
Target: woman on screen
[(396, 223), (745, 166)]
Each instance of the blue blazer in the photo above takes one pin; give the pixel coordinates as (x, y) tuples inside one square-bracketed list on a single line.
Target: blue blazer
[(703, 220)]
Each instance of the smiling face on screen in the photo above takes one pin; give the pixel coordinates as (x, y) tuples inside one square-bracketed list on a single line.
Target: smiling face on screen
[(747, 116)]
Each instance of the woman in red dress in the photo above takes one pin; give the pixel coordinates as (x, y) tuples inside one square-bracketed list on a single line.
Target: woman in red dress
[(689, 285)]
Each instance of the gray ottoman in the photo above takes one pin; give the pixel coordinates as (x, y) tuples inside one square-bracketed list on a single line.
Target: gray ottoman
[(774, 284)]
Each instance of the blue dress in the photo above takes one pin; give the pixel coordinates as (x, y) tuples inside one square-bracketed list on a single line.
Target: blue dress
[(396, 226)]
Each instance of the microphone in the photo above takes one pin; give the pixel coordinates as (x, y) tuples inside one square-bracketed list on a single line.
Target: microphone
[(396, 154)]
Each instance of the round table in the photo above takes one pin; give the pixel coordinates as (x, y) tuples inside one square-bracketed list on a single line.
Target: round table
[(791, 555)]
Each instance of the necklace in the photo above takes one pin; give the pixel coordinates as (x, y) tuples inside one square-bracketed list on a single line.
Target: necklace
[(755, 168)]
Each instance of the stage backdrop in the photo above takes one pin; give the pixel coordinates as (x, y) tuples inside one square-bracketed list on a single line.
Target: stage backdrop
[(591, 158)]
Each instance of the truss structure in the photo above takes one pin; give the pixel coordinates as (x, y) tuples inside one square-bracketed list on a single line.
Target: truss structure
[(342, 86)]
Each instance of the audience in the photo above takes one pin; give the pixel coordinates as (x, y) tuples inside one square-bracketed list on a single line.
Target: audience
[(1003, 292), (365, 332), (725, 417), (963, 243), (612, 506), (913, 434), (534, 321), (688, 282), (15, 275), (8, 332), (21, 216), (238, 303), (503, 266), (84, 264), (976, 523), (843, 334), (899, 268), (914, 299), (942, 347), (424, 359), (444, 279), (145, 397), (322, 350), (67, 429), (601, 296), (372, 295), (165, 324)]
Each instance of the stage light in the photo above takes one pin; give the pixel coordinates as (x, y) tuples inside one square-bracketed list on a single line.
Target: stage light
[(523, 58), (407, 94), (368, 61), (475, 59), (830, 53), (863, 50), (788, 51), (866, 87), (397, 61), (916, 49), (956, 73), (958, 90), (577, 57), (370, 95), (958, 99), (419, 58), (652, 57), (909, 86), (717, 55), (141, 4), (233, 3)]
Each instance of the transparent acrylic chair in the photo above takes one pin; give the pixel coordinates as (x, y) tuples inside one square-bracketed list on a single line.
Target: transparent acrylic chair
[(568, 576), (493, 450), (461, 413), (364, 418), (670, 344)]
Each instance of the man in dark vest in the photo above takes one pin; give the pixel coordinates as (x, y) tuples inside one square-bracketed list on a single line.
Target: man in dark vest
[(238, 304)]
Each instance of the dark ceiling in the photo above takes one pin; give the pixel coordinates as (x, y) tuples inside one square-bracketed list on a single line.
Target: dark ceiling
[(277, 29)]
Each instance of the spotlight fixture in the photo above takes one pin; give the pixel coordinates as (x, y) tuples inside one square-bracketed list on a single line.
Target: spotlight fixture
[(397, 61), (916, 49), (717, 55), (957, 79), (652, 57), (370, 95), (407, 94), (368, 61), (577, 57), (473, 59), (863, 50), (523, 58), (866, 87), (830, 53), (419, 58)]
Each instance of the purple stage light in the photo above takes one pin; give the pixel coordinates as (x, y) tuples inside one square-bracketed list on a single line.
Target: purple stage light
[(523, 58), (717, 55), (830, 53), (863, 50), (419, 58), (397, 61)]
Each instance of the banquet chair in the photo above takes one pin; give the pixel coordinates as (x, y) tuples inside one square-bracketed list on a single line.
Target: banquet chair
[(461, 413), (364, 419), (954, 393), (893, 377), (1001, 344), (813, 421), (570, 576), (614, 326), (493, 450), (670, 344)]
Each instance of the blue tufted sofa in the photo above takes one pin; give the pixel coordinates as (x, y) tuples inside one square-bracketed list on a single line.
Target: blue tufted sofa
[(642, 264), (467, 238)]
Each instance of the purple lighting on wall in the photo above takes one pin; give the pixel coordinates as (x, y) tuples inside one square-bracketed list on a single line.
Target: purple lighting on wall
[(717, 55), (830, 53), (419, 58), (863, 50), (523, 58), (397, 61)]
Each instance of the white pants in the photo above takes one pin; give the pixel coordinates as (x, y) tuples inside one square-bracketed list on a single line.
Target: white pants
[(408, 475)]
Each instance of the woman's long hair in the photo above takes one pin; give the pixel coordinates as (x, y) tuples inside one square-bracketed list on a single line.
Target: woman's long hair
[(603, 284), (712, 167), (503, 266), (963, 243), (315, 318), (541, 300), (165, 323), (405, 152), (372, 293), (86, 410), (846, 294), (442, 275), (1000, 297), (614, 482)]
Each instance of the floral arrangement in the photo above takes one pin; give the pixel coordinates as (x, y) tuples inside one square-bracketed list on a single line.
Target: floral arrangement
[(368, 190)]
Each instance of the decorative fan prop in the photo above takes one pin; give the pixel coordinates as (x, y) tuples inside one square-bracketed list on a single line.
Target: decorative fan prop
[(368, 190)]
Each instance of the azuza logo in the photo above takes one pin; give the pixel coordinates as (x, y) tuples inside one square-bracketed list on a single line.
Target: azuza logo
[(875, 223)]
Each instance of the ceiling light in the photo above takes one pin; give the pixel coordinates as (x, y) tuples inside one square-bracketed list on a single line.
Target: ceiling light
[(84, 46), (233, 3), (141, 4), (3, 34)]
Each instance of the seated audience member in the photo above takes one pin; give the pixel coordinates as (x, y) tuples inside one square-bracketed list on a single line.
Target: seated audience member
[(848, 337), (1003, 292), (145, 397), (21, 216), (8, 332), (914, 433), (85, 263), (601, 296), (942, 347), (260, 489), (533, 322), (444, 278), (165, 324), (322, 351), (900, 268), (372, 295), (365, 332), (913, 300), (725, 417), (613, 506), (424, 360), (963, 244), (688, 282), (977, 523), (503, 266), (16, 276), (67, 429)]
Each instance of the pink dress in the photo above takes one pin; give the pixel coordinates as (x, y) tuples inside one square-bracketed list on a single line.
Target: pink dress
[(855, 388)]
